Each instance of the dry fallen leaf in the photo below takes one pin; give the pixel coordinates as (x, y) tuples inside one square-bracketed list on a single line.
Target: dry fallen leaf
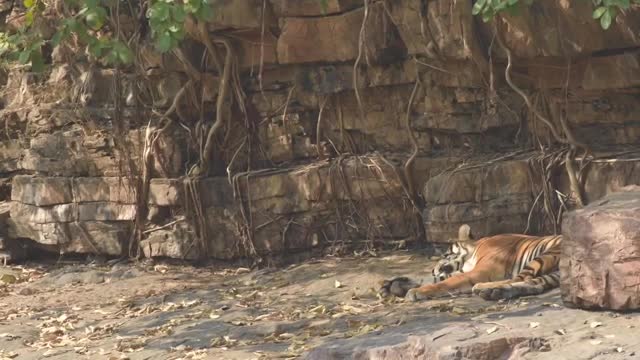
[(54, 352), (161, 268), (4, 355), (242, 271), (551, 304), (459, 310), (595, 324), (492, 330), (223, 342), (9, 336)]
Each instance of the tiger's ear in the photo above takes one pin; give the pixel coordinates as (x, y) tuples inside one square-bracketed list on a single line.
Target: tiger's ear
[(464, 233)]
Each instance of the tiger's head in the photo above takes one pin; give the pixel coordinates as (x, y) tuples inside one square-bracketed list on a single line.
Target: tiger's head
[(454, 258)]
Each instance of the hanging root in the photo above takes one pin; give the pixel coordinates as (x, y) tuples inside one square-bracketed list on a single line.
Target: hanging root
[(412, 192), (151, 137), (408, 166), (219, 123), (570, 138), (576, 189), (361, 41), (321, 154)]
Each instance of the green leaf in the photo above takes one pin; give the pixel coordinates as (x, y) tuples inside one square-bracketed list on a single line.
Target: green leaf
[(94, 20), (37, 63), (24, 57), (605, 20), (125, 55), (179, 14), (28, 3), (477, 7), (112, 57), (57, 38), (598, 12), (91, 4), (164, 42), (95, 49), (624, 4), (159, 12), (205, 13), (29, 17), (71, 24)]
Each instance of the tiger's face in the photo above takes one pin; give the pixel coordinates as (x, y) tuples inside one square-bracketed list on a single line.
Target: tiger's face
[(452, 262)]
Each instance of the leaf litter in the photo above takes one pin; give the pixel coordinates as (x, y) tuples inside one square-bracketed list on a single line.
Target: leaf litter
[(236, 300)]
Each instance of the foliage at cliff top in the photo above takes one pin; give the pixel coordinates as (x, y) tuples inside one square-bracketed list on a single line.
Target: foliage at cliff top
[(93, 25), (605, 10)]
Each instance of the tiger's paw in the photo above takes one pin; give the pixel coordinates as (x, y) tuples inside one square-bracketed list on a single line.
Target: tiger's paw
[(415, 295), (397, 287), (494, 292)]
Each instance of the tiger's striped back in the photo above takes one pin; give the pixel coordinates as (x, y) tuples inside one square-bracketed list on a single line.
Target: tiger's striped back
[(533, 268), (530, 250)]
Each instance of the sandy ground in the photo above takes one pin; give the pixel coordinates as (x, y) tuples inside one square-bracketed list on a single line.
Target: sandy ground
[(160, 311)]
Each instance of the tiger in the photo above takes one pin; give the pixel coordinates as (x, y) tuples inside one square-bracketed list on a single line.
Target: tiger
[(497, 267)]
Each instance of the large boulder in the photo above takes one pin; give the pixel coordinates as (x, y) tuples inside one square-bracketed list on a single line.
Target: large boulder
[(600, 265), (456, 341)]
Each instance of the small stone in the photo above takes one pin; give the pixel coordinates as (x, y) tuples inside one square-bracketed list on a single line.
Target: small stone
[(27, 291)]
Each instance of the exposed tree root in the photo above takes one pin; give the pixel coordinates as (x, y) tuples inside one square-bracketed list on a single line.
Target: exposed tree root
[(220, 113), (321, 154), (408, 165), (570, 138), (408, 168), (356, 64), (151, 137)]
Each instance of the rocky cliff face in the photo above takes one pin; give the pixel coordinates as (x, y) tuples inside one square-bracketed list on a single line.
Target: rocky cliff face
[(315, 163)]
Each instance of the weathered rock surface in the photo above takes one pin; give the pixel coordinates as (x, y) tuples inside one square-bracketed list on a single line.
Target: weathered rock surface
[(85, 215), (176, 243), (498, 197), (492, 199), (558, 28), (424, 347), (299, 8), (10, 249), (601, 247), (328, 202), (336, 38)]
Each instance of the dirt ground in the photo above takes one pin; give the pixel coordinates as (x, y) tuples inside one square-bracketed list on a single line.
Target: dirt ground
[(326, 306)]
